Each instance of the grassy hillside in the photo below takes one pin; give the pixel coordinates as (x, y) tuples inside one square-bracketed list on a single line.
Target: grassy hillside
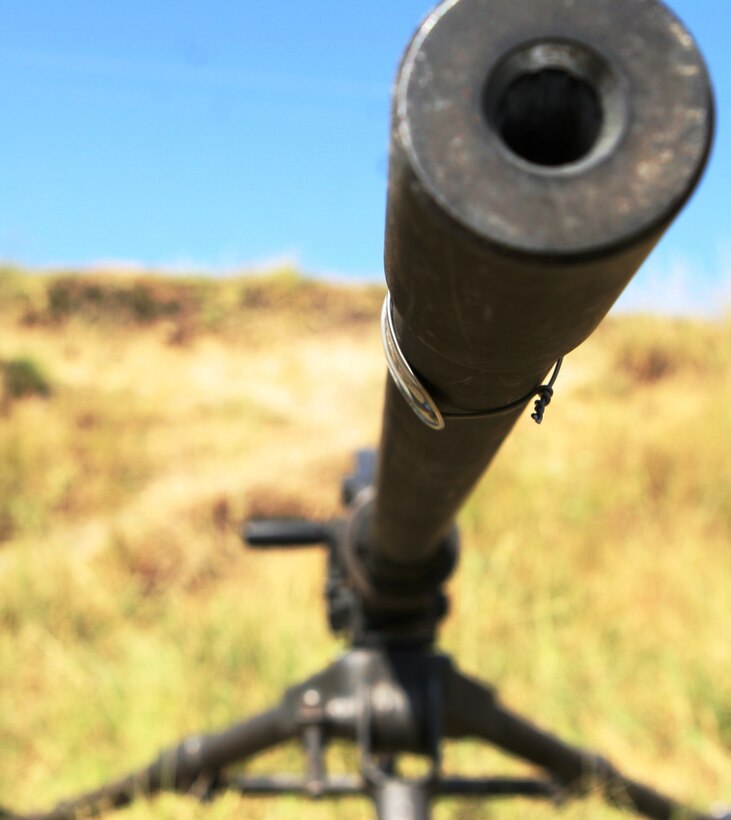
[(142, 418)]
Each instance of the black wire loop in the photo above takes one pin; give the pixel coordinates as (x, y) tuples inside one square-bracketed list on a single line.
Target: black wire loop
[(545, 394)]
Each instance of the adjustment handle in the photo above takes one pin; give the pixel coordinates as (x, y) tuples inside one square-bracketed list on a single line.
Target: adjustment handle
[(285, 533)]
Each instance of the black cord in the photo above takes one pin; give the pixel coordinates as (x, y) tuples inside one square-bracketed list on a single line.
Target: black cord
[(544, 393)]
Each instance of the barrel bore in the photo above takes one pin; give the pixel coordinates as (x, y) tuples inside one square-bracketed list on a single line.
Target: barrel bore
[(554, 104), (549, 117)]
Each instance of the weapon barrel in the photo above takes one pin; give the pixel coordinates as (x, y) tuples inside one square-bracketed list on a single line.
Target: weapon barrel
[(539, 150)]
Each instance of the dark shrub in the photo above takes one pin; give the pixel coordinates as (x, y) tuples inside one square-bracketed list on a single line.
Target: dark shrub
[(25, 377)]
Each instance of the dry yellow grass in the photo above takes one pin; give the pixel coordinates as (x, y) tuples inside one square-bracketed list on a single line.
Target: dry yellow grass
[(595, 586)]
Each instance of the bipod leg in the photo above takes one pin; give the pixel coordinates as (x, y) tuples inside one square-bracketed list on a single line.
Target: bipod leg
[(473, 710), (190, 767)]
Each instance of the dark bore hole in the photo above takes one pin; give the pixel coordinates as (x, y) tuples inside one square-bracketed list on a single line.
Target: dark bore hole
[(549, 117)]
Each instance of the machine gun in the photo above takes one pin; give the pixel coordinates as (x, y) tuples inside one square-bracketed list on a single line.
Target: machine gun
[(539, 150)]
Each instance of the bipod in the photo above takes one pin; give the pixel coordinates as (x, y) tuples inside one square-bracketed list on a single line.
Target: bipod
[(392, 694)]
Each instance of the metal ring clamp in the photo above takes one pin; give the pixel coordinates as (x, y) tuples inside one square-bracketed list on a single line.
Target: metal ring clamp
[(405, 379), (417, 396)]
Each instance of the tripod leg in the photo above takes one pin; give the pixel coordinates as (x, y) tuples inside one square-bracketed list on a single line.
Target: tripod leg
[(179, 768), (474, 711)]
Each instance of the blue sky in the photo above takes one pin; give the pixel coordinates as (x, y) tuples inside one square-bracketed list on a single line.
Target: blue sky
[(222, 135)]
